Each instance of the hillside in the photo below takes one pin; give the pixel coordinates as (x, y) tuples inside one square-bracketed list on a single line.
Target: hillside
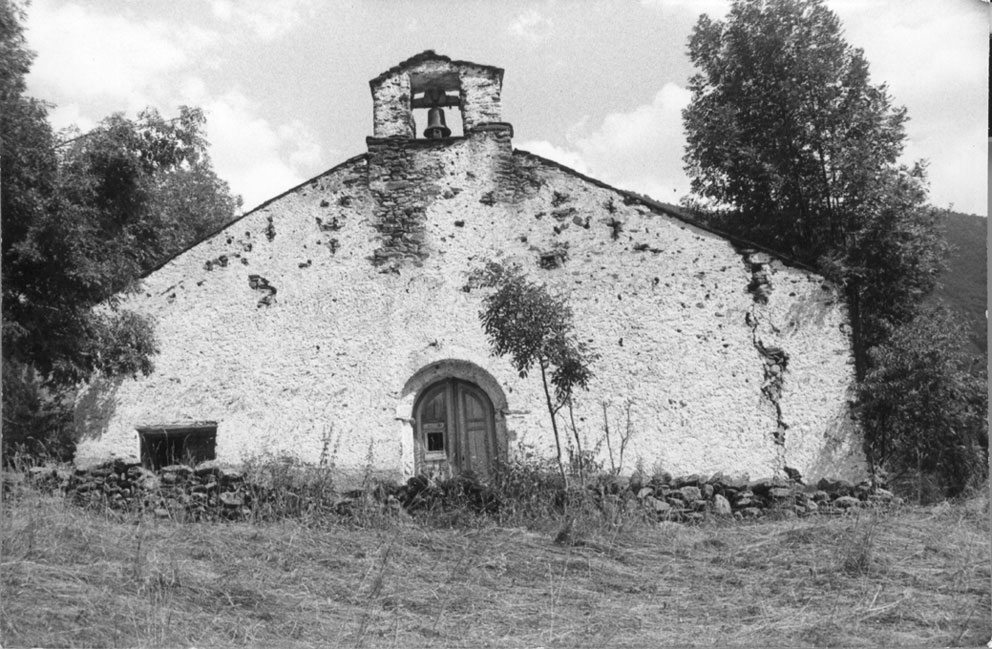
[(912, 576), (964, 285)]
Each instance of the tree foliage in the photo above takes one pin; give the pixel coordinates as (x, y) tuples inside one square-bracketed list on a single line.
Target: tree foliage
[(891, 261), (534, 328), (103, 210), (790, 140), (146, 187), (784, 125), (924, 405), (790, 145), (36, 421), (83, 219)]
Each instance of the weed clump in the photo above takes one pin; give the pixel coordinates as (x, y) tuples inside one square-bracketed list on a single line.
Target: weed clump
[(860, 556)]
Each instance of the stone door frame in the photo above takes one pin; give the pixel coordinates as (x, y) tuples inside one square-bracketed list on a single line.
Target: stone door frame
[(466, 371)]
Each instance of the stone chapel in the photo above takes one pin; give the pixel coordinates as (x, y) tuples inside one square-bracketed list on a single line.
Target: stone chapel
[(339, 323)]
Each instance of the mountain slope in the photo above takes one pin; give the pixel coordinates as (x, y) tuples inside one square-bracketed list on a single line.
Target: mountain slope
[(964, 285)]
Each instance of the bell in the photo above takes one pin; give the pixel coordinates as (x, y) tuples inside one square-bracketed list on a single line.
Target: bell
[(436, 127)]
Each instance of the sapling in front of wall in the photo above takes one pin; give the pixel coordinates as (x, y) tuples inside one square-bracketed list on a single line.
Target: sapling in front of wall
[(532, 327)]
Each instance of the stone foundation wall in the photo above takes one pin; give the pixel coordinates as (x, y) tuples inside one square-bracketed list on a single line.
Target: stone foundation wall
[(212, 492)]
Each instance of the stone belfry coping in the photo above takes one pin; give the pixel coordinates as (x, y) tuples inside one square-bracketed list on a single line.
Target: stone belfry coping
[(433, 79)]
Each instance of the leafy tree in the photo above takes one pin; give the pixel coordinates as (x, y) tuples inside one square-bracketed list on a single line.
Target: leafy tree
[(784, 125), (125, 198), (82, 221), (145, 186), (790, 141), (891, 262), (790, 145), (923, 405), (523, 321)]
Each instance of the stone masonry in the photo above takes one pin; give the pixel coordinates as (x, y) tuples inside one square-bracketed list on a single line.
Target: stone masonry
[(316, 320)]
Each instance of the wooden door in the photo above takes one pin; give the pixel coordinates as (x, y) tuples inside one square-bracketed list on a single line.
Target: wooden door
[(475, 427), (455, 428), (434, 424)]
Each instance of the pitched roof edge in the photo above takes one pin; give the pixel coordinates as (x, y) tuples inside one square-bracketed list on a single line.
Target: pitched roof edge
[(258, 207), (431, 55), (678, 213)]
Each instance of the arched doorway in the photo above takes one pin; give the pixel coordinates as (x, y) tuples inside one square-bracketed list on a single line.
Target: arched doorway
[(454, 428)]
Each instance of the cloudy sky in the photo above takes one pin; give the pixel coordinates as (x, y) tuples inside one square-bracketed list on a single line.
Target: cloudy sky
[(597, 85)]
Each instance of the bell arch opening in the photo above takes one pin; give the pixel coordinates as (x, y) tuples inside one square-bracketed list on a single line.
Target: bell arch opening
[(430, 96)]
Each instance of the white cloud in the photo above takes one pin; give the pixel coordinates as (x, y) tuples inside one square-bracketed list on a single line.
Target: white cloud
[(267, 19), (716, 9), (110, 59), (259, 160), (223, 9), (898, 43), (545, 149), (639, 150), (935, 64), (641, 129), (84, 53), (69, 115), (305, 153), (530, 25)]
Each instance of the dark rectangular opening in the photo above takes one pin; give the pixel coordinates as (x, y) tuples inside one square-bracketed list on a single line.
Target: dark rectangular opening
[(435, 441), (177, 444)]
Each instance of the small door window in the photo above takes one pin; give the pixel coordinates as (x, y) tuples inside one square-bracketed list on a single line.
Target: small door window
[(435, 437)]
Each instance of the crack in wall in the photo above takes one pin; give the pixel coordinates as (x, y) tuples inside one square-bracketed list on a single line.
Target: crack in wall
[(774, 359)]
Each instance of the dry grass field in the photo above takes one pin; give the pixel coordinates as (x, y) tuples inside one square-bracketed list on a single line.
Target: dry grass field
[(913, 576)]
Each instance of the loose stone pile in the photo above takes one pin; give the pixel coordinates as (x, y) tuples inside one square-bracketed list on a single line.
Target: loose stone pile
[(205, 491), (694, 497), (210, 491)]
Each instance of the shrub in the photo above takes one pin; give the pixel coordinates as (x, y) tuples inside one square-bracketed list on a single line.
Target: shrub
[(530, 487), (463, 493), (37, 423), (923, 407), (532, 327)]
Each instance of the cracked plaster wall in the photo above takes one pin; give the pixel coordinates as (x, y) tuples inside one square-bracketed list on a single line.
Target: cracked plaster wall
[(317, 347)]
